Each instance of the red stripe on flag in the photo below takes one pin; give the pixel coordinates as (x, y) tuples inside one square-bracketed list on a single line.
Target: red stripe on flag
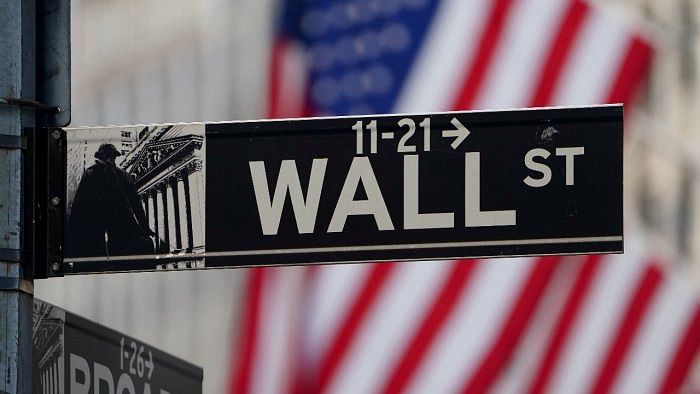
[(276, 95), (566, 320), (298, 374), (484, 54), (513, 328), (353, 321), (636, 310), (249, 335), (453, 288), (684, 356), (631, 72), (566, 35)]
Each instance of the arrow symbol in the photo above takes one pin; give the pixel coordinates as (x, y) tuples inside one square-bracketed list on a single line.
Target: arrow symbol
[(149, 364), (459, 134)]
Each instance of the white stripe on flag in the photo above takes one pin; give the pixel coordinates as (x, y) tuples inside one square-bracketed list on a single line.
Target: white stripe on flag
[(401, 306), (652, 350), (436, 74), (292, 80), (597, 321), (334, 288), (525, 360), (590, 69), (529, 33), (469, 331), (279, 305)]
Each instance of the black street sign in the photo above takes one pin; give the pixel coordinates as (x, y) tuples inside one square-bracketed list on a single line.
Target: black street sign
[(71, 354), (344, 189)]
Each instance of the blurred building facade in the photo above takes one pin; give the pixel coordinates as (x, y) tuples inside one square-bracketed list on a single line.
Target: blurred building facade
[(138, 62), (662, 134), (160, 61)]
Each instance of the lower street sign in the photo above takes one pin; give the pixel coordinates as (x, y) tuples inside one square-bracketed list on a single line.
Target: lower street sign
[(344, 189), (71, 354)]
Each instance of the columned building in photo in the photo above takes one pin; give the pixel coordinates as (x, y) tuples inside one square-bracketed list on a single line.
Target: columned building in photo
[(48, 349), (167, 168)]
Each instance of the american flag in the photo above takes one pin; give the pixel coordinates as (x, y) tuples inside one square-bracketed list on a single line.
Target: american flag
[(620, 323)]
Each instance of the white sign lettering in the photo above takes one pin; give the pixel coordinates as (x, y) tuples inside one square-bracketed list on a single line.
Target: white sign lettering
[(103, 380)]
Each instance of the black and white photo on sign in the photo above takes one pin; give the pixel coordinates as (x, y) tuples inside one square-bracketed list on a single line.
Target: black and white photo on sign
[(48, 344), (135, 191)]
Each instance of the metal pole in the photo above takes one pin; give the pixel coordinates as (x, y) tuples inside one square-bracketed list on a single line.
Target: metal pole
[(17, 74)]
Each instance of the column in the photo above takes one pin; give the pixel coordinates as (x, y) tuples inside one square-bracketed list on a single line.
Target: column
[(144, 200), (52, 376), (55, 376), (176, 212), (197, 205), (61, 373), (188, 210), (151, 213), (157, 199), (155, 223), (172, 215), (164, 216), (183, 213)]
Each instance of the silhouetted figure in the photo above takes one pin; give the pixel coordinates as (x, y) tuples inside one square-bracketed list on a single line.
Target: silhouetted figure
[(107, 218)]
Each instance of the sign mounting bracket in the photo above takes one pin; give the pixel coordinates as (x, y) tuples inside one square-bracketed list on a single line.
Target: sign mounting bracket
[(16, 284), (14, 255), (13, 142), (45, 207)]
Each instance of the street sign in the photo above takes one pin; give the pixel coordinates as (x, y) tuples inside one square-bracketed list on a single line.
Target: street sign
[(71, 354), (344, 189)]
